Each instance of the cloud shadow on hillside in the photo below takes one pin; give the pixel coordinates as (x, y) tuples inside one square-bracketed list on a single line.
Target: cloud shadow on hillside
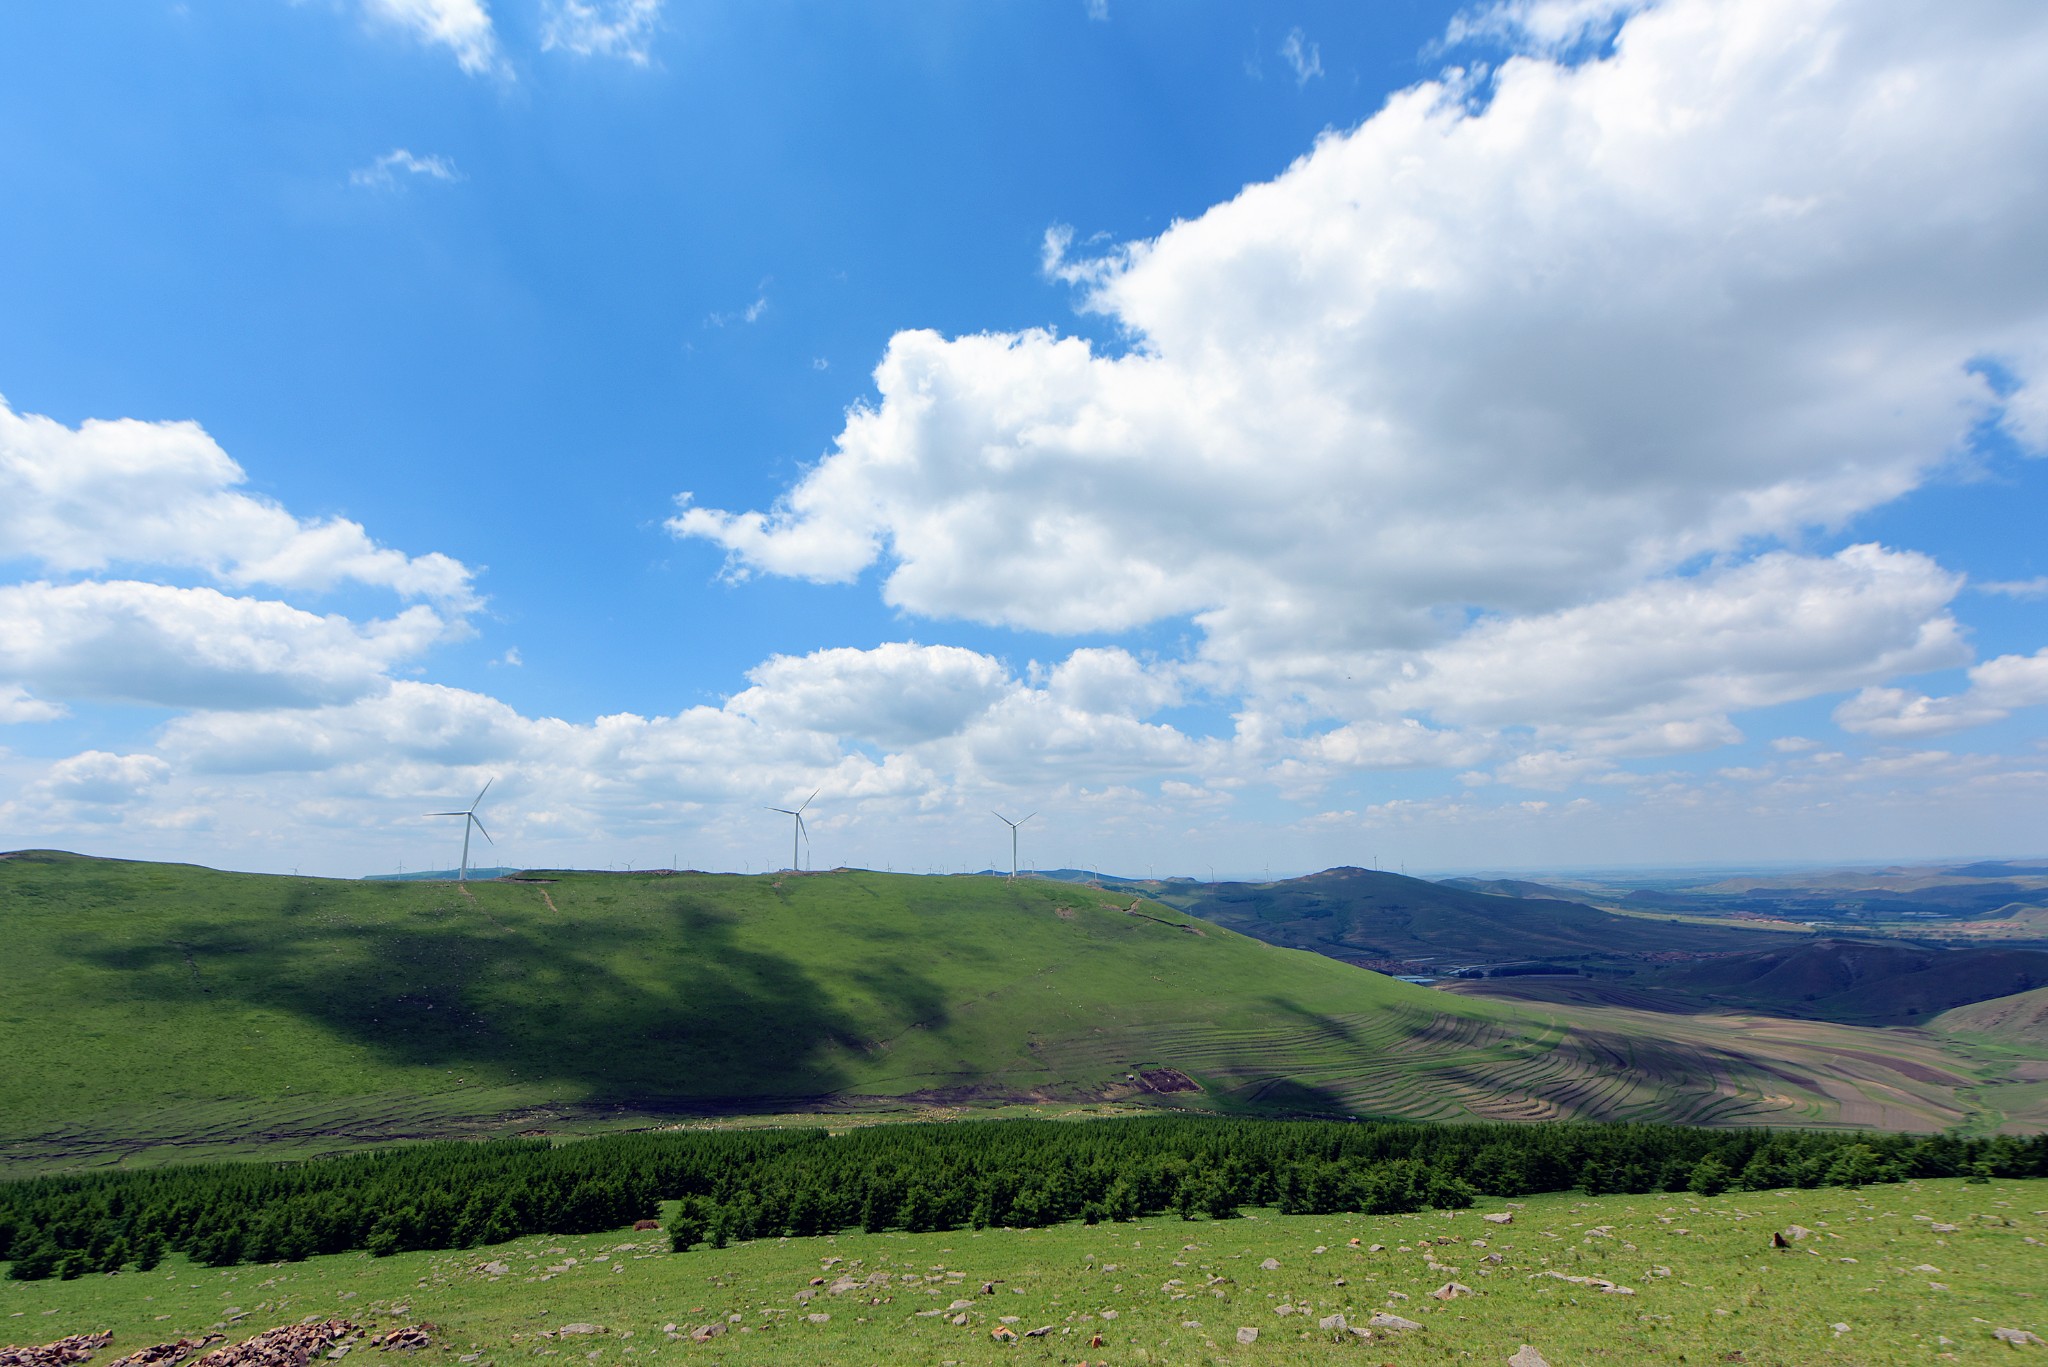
[(671, 1010)]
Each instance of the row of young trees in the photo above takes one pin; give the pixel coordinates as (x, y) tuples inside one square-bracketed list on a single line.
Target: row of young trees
[(767, 1183)]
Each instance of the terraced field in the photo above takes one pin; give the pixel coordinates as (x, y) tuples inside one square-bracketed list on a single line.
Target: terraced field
[(157, 1011)]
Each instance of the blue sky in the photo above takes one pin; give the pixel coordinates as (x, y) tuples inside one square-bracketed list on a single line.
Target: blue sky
[(1504, 435)]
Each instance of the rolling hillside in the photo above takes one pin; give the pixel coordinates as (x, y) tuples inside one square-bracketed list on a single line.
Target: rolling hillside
[(1363, 915), (1854, 982), (2020, 1019), (154, 1009)]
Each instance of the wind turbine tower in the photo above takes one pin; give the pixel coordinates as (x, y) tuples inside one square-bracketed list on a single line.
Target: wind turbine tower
[(802, 832), (469, 818), (1013, 825)]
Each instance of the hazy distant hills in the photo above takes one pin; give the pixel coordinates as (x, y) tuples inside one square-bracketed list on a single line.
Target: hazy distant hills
[(1512, 887), (1364, 915), (1985, 899)]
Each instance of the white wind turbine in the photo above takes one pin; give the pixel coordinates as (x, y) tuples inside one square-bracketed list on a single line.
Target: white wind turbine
[(802, 832), (1013, 825), (470, 819)]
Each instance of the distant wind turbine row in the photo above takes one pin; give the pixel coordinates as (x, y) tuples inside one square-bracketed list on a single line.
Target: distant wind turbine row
[(799, 837)]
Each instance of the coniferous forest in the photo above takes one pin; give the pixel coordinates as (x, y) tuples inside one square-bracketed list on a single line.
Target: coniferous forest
[(749, 1184)]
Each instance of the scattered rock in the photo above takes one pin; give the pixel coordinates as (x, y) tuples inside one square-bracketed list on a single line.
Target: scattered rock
[(818, 1317), (168, 1354), (1271, 1265), (2018, 1338), (494, 1269), (704, 1333), (409, 1339), (961, 1305), (290, 1346), (1525, 1356), (1247, 1335), (1335, 1322), (1450, 1291), (580, 1328), (1040, 1332), (1505, 1217), (1385, 1321), (1109, 1314), (69, 1349)]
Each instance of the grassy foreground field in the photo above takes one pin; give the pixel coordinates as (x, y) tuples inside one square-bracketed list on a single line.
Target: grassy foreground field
[(155, 1011), (1916, 1272)]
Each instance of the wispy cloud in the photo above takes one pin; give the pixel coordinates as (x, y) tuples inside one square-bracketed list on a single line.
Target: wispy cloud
[(1305, 57), (750, 314), (382, 174), (462, 26), (601, 28), (2037, 587), (1554, 27), (1098, 10)]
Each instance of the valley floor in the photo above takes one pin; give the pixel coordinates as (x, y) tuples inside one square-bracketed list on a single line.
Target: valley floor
[(1918, 1272)]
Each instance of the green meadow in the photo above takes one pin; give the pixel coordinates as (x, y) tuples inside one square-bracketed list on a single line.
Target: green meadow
[(1915, 1272)]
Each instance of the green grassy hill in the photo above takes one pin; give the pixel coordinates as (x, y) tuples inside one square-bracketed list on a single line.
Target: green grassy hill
[(158, 1009), (2020, 1019)]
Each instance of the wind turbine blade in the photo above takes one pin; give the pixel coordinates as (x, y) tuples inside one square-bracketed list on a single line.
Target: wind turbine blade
[(480, 827), (812, 798), (805, 829), (447, 813), (784, 810), (480, 792), (1027, 818)]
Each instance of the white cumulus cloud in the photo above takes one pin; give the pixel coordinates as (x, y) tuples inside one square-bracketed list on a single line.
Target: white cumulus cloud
[(127, 641), (126, 492), (1496, 359), (1998, 688)]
